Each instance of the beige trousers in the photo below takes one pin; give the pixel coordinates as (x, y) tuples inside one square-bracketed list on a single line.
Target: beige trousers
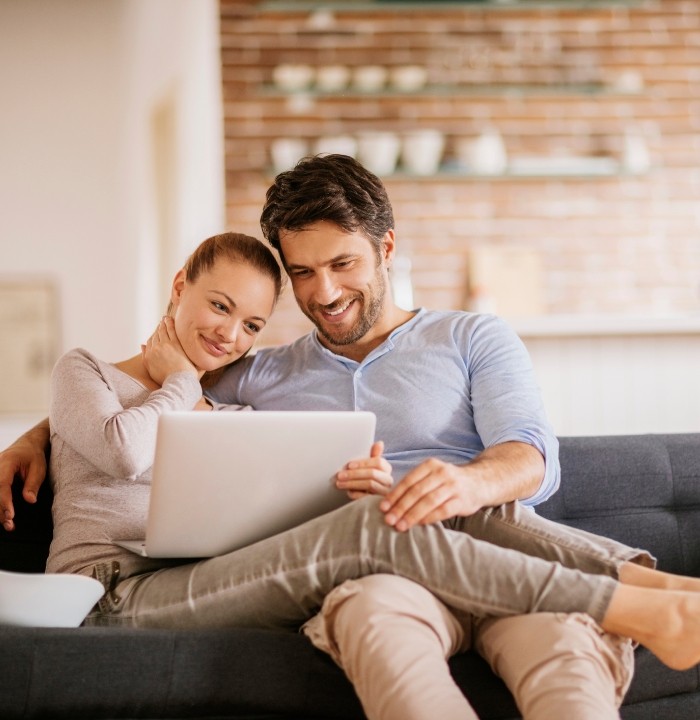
[(392, 638)]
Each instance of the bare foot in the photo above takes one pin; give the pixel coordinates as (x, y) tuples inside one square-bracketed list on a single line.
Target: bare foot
[(677, 640), (667, 622)]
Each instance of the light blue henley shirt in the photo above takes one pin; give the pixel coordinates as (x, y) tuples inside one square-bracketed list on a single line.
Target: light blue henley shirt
[(445, 384)]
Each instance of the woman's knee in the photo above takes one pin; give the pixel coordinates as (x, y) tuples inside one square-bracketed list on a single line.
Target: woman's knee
[(563, 650), (371, 596), (390, 604)]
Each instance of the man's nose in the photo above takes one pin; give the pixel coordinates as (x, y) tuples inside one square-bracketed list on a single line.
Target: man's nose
[(326, 289)]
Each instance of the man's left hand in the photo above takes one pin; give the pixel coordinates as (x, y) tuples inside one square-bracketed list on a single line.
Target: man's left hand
[(432, 492)]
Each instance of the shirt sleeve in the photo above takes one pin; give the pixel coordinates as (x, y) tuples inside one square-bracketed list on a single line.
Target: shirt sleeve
[(227, 390), (87, 413), (506, 398)]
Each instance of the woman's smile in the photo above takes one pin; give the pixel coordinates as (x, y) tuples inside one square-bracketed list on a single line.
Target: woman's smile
[(213, 348)]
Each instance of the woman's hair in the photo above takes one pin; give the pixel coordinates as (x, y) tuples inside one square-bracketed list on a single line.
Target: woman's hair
[(335, 188), (235, 247)]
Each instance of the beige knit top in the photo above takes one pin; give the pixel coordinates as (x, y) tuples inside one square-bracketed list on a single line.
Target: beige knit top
[(103, 433)]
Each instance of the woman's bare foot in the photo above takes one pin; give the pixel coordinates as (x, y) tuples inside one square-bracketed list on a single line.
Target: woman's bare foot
[(634, 574), (667, 622)]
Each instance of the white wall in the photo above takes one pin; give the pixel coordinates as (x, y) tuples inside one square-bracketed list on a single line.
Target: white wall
[(80, 84), (620, 384)]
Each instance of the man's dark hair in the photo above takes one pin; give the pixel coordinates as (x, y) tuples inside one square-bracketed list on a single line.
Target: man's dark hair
[(335, 188)]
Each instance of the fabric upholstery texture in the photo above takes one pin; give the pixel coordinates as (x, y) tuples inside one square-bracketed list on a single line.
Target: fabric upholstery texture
[(641, 489)]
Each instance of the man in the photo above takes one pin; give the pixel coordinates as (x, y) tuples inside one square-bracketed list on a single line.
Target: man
[(460, 414), (461, 418)]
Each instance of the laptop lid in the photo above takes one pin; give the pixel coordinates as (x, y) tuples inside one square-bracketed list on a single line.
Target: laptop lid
[(223, 480)]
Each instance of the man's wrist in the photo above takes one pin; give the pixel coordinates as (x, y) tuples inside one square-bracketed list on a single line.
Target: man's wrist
[(37, 437)]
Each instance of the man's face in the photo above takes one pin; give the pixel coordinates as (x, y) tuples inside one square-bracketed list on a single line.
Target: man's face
[(339, 282)]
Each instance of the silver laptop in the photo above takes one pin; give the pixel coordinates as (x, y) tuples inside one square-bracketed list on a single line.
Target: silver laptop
[(224, 480)]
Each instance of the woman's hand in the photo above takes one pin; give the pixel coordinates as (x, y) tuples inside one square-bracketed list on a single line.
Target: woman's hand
[(369, 476), (163, 355)]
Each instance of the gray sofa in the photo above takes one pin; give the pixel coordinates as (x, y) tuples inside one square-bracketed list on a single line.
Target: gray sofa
[(643, 490)]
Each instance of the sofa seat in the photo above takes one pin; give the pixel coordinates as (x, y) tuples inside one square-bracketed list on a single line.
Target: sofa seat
[(643, 490)]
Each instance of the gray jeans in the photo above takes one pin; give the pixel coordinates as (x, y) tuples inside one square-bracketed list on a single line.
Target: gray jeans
[(501, 561)]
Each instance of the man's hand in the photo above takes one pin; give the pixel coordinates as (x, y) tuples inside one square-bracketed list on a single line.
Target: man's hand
[(436, 490), (369, 476), (163, 353), (433, 491), (25, 457)]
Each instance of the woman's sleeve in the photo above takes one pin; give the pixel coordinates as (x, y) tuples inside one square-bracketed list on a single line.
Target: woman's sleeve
[(87, 414)]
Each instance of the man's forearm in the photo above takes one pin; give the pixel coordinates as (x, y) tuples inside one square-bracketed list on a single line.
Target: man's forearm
[(508, 471), (37, 436)]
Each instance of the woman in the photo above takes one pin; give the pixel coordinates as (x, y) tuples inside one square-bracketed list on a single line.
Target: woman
[(103, 427), (104, 416)]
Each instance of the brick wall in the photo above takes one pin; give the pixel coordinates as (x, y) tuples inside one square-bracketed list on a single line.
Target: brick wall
[(554, 81)]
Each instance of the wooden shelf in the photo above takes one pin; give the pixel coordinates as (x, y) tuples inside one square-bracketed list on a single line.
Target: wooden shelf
[(287, 6), (449, 173), (510, 90)]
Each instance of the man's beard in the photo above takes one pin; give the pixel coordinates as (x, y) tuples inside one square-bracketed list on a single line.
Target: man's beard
[(371, 311)]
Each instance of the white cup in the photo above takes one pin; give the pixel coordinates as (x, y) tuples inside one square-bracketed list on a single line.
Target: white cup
[(285, 153), (369, 78), (378, 151), (422, 150)]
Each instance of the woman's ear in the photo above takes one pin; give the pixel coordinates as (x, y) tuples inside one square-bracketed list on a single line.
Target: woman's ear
[(178, 286)]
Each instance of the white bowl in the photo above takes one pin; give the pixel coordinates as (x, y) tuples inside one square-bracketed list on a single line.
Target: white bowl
[(422, 151), (369, 78), (46, 600), (291, 77), (331, 78), (408, 77), (378, 151), (341, 144), (286, 153)]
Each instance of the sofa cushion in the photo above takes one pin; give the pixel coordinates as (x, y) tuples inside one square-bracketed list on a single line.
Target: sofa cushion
[(643, 490), (102, 673)]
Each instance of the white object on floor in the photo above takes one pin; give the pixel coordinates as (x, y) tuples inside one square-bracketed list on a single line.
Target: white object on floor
[(46, 600)]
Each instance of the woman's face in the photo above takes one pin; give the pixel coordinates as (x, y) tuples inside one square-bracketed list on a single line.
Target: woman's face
[(219, 315)]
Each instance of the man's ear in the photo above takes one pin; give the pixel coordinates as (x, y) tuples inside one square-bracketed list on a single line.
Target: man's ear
[(177, 287), (389, 247)]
